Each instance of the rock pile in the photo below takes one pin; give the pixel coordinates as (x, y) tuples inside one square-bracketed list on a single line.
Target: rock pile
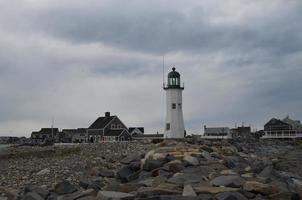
[(183, 170)]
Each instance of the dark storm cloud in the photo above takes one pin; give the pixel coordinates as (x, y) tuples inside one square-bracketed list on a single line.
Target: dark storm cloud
[(163, 27)]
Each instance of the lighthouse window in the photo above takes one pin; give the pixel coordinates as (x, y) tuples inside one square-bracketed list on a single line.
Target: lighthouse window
[(179, 105), (173, 105), (167, 126)]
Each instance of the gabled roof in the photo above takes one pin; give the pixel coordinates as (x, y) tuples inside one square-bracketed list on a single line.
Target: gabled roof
[(141, 129), (275, 122), (101, 122)]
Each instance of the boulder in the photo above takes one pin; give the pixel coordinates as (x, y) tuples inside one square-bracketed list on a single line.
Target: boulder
[(161, 172), (188, 191), (65, 187), (174, 166), (268, 172), (183, 178), (213, 190), (43, 192), (126, 174), (77, 195), (228, 181), (144, 192), (150, 165), (131, 158), (206, 155), (230, 196), (190, 160), (111, 195), (32, 196), (257, 187), (285, 195), (106, 173), (228, 172)]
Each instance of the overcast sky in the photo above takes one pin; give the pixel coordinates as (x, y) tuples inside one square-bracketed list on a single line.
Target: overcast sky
[(241, 60)]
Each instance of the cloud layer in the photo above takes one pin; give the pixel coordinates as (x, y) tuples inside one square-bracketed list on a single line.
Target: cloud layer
[(240, 61)]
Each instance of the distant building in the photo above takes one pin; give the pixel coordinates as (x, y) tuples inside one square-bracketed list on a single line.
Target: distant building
[(295, 124), (75, 135), (10, 140), (241, 132), (45, 133), (276, 125), (286, 128), (216, 131), (108, 128), (136, 131)]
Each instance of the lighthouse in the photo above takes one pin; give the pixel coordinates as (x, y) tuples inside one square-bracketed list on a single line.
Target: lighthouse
[(174, 126)]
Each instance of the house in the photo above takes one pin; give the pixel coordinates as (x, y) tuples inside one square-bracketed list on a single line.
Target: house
[(78, 135), (45, 133), (241, 132), (286, 128), (295, 124), (216, 131), (136, 131), (108, 128), (277, 125)]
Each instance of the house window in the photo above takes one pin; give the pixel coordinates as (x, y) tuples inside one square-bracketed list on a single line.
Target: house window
[(112, 126), (167, 126), (179, 105), (173, 105), (119, 126)]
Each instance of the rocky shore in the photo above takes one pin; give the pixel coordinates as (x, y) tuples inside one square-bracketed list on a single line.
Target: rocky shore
[(168, 170)]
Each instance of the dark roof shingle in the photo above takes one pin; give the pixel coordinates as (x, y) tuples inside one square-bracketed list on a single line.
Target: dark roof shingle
[(101, 122)]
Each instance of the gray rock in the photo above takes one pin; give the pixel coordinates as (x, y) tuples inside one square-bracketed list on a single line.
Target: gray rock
[(206, 155), (230, 196), (32, 196), (131, 158), (202, 171), (65, 187), (190, 160), (106, 173), (188, 191), (111, 195), (183, 178), (150, 165), (174, 166), (228, 181), (76, 195), (43, 192), (268, 173), (126, 174)]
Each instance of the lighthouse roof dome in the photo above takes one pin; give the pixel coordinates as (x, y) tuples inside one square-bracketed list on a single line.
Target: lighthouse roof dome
[(173, 74)]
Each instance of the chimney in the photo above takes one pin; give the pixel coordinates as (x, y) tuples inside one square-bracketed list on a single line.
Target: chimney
[(107, 114)]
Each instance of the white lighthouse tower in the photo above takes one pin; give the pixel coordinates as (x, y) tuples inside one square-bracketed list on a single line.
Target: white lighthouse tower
[(174, 127)]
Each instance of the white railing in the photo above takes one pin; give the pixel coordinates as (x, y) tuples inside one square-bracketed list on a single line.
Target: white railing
[(281, 134)]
